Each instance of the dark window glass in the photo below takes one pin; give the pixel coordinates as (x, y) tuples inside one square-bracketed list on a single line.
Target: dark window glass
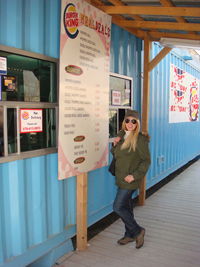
[(44, 139), (112, 123), (116, 117), (119, 101), (28, 79), (1, 132), (12, 130)]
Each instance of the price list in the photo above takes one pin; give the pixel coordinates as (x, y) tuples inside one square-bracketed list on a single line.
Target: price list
[(84, 95)]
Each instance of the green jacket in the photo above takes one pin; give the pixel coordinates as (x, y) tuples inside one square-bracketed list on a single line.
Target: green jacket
[(136, 163)]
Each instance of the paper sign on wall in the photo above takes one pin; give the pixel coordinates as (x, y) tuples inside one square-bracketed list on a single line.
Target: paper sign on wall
[(116, 98), (184, 96)]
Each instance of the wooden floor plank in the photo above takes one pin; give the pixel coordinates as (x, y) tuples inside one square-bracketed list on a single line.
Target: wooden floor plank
[(148, 248), (171, 217)]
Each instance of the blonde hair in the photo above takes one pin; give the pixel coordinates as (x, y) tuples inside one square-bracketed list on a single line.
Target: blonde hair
[(131, 140)]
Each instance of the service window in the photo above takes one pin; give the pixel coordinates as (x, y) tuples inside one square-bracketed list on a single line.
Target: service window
[(120, 93), (28, 83), (1, 132)]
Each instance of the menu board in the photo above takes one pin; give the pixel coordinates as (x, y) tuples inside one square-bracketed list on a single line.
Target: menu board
[(84, 89)]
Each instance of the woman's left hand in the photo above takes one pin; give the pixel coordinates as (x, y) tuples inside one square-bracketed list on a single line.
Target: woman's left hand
[(129, 178)]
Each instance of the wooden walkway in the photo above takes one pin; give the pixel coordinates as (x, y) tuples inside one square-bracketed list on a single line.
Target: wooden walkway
[(171, 217)]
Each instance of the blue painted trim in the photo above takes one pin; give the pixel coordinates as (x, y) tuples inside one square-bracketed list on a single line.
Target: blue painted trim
[(42, 249), (50, 258)]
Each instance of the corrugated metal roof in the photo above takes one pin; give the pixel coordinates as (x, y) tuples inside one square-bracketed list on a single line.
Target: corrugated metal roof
[(155, 18)]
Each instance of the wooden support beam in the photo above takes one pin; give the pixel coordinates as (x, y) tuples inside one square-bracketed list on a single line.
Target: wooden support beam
[(145, 106), (135, 17), (159, 57), (81, 237), (161, 25), (167, 3), (152, 10)]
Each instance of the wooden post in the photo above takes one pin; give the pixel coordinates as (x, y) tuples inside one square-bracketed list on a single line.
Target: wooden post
[(145, 106), (81, 197)]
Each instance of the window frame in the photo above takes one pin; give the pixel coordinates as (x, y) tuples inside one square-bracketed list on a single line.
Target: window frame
[(28, 105), (111, 107)]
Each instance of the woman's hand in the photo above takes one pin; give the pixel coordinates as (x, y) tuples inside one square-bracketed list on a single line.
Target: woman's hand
[(116, 140), (129, 178)]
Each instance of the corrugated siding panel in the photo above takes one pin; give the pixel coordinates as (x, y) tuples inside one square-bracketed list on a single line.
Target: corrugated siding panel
[(31, 25), (177, 142), (34, 205), (125, 59)]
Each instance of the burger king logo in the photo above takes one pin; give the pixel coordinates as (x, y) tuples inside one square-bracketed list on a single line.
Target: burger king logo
[(70, 20), (25, 115)]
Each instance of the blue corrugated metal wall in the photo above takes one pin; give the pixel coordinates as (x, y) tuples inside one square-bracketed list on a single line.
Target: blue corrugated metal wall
[(31, 25), (38, 212), (178, 143)]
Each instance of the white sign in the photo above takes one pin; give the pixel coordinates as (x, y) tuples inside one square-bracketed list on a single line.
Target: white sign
[(116, 98), (31, 120), (3, 65), (184, 96), (84, 89)]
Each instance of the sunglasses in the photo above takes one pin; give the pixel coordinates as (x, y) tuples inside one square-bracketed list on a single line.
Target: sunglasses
[(128, 120)]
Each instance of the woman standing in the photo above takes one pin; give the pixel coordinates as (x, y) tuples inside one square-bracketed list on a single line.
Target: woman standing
[(133, 159)]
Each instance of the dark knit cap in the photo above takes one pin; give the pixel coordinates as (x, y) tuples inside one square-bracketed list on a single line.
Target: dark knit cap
[(132, 113)]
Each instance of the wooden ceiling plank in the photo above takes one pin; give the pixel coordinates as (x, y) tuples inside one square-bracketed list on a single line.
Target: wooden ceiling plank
[(167, 3), (152, 10), (161, 25)]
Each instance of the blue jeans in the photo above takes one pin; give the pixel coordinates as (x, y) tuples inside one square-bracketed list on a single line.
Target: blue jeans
[(123, 206)]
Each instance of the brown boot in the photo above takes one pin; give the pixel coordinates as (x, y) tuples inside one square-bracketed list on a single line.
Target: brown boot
[(140, 239), (124, 240)]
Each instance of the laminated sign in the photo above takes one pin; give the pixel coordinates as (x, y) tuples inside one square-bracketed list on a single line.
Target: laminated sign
[(83, 89)]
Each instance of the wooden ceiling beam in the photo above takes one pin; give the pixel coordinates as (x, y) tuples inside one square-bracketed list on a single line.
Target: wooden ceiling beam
[(135, 17), (167, 3), (116, 19), (155, 36), (119, 3), (161, 25), (152, 10)]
